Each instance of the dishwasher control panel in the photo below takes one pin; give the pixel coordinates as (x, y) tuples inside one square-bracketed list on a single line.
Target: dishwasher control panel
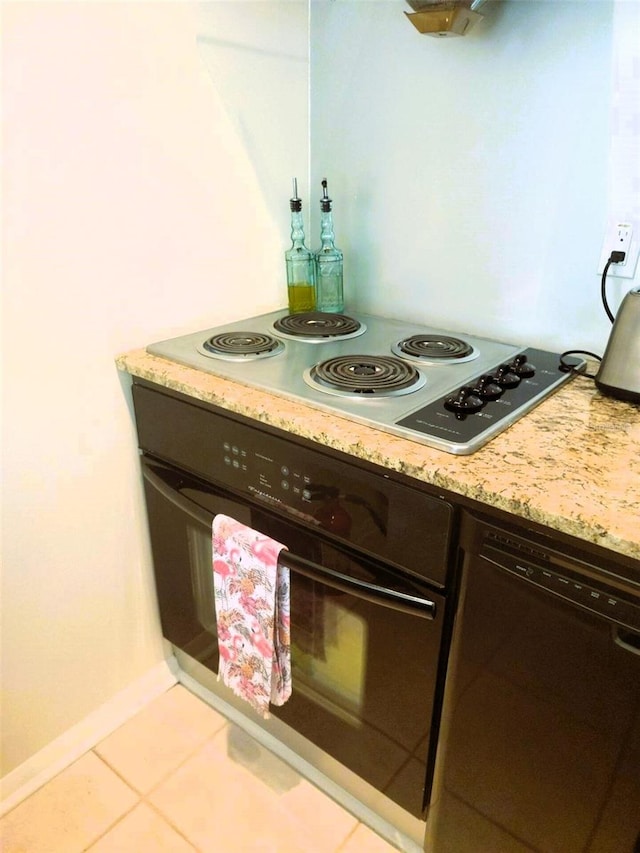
[(534, 565)]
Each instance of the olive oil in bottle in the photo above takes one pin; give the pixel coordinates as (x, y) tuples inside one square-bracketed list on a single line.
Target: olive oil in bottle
[(302, 297), (300, 263)]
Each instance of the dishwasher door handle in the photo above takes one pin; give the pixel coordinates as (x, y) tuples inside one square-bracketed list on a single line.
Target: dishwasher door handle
[(627, 640)]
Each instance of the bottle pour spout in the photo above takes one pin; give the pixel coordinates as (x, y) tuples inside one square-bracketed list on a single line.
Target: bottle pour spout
[(295, 203), (325, 201)]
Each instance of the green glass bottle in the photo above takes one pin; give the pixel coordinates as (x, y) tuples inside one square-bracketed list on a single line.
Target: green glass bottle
[(301, 278), (329, 262)]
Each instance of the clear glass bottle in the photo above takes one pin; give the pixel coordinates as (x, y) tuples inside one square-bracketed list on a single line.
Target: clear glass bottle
[(301, 272), (329, 262)]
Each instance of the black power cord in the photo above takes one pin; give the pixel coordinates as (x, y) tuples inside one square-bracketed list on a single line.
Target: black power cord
[(571, 368), (614, 258)]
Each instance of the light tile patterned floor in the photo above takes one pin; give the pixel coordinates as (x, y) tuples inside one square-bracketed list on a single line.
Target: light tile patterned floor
[(178, 778)]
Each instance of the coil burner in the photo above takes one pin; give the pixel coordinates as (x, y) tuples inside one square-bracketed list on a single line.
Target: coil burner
[(241, 346), (435, 349), (367, 375), (318, 327)]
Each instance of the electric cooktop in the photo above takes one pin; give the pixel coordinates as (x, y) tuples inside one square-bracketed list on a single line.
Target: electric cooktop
[(450, 391)]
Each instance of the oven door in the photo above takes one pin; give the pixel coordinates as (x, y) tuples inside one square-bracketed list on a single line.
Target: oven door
[(365, 639)]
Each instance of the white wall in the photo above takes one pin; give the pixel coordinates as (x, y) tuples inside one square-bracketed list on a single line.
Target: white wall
[(131, 213), (469, 175)]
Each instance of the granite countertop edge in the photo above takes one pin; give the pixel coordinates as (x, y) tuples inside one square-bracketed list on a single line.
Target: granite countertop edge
[(572, 464)]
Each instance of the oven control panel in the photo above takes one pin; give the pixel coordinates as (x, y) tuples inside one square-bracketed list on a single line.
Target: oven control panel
[(268, 478), (367, 510), (337, 498)]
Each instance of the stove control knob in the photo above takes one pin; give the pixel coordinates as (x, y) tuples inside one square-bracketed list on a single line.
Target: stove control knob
[(309, 495), (465, 402), (505, 377), (487, 388), (522, 367)]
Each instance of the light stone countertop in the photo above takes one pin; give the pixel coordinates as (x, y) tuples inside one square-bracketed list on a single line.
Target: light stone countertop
[(572, 464)]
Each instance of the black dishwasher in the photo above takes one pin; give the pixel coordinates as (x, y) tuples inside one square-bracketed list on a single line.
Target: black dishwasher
[(540, 740)]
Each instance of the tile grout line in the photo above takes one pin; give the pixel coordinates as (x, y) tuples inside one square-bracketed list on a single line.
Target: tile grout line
[(143, 796), (113, 824), (170, 823), (183, 761), (228, 723), (167, 776), (187, 757), (125, 813), (349, 835)]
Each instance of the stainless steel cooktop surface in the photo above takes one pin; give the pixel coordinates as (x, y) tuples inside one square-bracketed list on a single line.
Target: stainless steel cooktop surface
[(451, 391)]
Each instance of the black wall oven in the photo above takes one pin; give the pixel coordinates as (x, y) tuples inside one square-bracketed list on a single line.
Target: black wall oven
[(369, 560)]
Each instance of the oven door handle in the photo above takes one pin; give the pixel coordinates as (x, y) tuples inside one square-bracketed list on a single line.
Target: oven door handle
[(413, 605), (183, 504), (393, 599)]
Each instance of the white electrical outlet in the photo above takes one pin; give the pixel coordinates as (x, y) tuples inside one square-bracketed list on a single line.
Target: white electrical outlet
[(620, 237)]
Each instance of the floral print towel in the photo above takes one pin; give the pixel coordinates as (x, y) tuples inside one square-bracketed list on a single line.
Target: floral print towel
[(252, 614)]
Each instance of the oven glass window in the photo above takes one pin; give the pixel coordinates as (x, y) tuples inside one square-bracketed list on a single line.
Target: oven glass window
[(329, 642)]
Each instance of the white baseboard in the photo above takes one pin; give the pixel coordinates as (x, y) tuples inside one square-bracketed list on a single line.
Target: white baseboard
[(64, 750)]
